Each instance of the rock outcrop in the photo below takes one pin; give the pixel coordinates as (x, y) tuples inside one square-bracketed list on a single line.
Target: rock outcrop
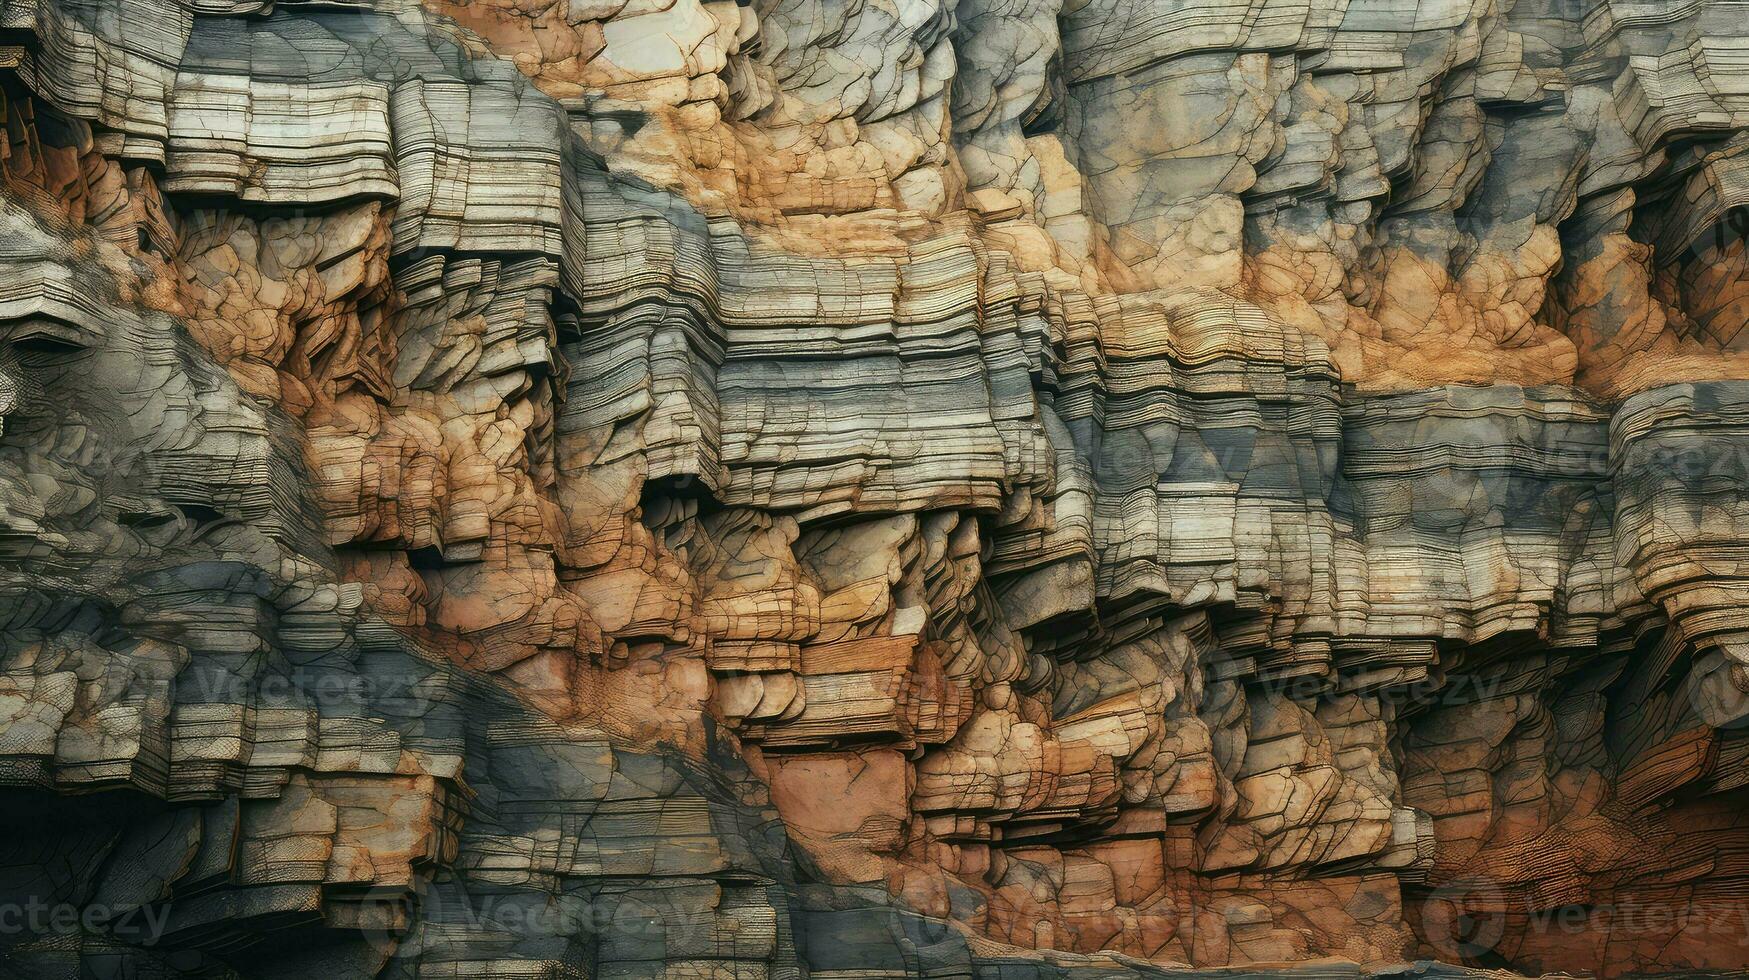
[(987, 489)]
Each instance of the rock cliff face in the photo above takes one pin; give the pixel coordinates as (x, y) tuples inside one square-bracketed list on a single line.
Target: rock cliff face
[(988, 489)]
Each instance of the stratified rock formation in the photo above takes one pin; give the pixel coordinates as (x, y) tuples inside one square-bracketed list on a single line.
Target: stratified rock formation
[(842, 489)]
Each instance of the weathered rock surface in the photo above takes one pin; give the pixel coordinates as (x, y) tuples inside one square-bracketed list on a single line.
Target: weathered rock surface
[(991, 489)]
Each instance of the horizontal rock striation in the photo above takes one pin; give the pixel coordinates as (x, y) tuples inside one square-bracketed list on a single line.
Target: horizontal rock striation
[(988, 489)]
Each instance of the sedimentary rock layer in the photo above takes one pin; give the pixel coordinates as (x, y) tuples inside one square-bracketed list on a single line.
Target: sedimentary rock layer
[(998, 489)]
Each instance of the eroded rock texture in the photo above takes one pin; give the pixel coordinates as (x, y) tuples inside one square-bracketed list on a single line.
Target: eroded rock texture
[(997, 489)]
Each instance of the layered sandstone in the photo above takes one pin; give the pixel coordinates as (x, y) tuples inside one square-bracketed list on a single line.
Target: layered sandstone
[(997, 489)]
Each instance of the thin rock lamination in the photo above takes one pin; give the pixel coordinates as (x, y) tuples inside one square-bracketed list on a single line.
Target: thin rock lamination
[(980, 488)]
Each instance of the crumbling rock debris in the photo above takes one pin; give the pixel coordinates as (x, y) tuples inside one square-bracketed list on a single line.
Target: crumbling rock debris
[(989, 489)]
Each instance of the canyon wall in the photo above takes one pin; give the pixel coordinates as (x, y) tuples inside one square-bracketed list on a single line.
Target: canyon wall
[(986, 489)]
